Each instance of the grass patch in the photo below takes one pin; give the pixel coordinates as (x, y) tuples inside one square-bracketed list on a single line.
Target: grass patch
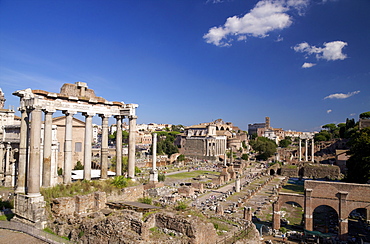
[(85, 187), (293, 188), (192, 174)]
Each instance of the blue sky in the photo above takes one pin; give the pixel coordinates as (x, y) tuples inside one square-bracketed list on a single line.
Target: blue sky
[(303, 63)]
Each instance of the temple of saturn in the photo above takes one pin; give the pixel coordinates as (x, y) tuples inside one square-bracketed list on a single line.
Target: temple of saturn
[(35, 170)]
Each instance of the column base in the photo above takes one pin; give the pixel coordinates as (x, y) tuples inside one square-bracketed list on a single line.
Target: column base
[(30, 209)]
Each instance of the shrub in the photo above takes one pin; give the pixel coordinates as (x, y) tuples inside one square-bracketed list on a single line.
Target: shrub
[(146, 200), (78, 166), (119, 181), (181, 206), (161, 177)]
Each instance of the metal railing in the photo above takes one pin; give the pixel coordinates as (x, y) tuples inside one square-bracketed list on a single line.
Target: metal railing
[(32, 231)]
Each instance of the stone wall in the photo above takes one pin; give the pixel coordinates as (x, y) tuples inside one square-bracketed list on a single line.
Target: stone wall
[(199, 232), (128, 194), (78, 204), (315, 171), (312, 171)]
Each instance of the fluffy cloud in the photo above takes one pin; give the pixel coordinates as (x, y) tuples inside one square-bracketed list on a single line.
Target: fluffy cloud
[(308, 65), (330, 51), (266, 16), (341, 95), (329, 111)]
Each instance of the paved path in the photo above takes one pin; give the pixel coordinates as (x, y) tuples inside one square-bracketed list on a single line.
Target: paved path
[(9, 236)]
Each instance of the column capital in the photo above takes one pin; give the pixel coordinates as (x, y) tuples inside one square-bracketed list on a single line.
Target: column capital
[(132, 117), (105, 115), (68, 112), (119, 116), (48, 111), (88, 114)]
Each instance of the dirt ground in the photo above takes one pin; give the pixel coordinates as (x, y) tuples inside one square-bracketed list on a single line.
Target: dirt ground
[(8, 236)]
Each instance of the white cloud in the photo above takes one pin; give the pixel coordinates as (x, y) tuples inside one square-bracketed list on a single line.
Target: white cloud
[(341, 95), (266, 16), (330, 51), (352, 114), (308, 65), (329, 111)]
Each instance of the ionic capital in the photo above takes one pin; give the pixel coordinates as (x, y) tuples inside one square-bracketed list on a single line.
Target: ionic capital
[(132, 117), (49, 111), (105, 115), (68, 112), (88, 114)]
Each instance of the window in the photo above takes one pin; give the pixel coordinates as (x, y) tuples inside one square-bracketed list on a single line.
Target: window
[(78, 147)]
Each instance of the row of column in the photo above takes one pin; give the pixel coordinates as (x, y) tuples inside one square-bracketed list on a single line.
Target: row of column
[(215, 147), (6, 171), (31, 173), (306, 151)]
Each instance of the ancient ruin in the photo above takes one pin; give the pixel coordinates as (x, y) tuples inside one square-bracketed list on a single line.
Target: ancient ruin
[(33, 172)]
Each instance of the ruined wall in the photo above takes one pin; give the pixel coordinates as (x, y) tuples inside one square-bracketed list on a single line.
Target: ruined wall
[(315, 171), (78, 204), (289, 171), (194, 147), (127, 194), (199, 232)]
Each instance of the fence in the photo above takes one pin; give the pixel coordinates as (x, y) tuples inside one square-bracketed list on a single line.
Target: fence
[(39, 234)]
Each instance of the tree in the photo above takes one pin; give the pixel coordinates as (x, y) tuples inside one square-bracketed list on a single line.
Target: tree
[(358, 164), (166, 143), (365, 115), (245, 156), (285, 142), (264, 146)]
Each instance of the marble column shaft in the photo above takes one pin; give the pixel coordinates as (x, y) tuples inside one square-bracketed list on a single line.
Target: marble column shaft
[(131, 146), (87, 145), (154, 153), (23, 146), (119, 145), (306, 151), (2, 170), (104, 147), (34, 164), (67, 172), (300, 149), (312, 150), (46, 169)]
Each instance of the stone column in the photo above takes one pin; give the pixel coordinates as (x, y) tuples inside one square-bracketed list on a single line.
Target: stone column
[(119, 145), (276, 216), (300, 149), (2, 171), (247, 214), (308, 211), (8, 169), (306, 151), (46, 168), (131, 146), (87, 145), (312, 150), (154, 173), (343, 218), (67, 171), (237, 184), (34, 164), (104, 147), (23, 147)]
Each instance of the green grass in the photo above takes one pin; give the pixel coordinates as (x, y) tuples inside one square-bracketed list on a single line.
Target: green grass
[(84, 187), (293, 188), (192, 174)]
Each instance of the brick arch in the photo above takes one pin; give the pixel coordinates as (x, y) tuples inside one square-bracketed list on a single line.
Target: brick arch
[(353, 206), (283, 198), (324, 202)]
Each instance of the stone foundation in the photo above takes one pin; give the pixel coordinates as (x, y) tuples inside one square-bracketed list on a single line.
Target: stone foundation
[(30, 210)]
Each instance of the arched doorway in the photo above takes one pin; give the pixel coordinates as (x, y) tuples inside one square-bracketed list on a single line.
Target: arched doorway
[(357, 226), (272, 172), (278, 171), (325, 220), (291, 216)]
